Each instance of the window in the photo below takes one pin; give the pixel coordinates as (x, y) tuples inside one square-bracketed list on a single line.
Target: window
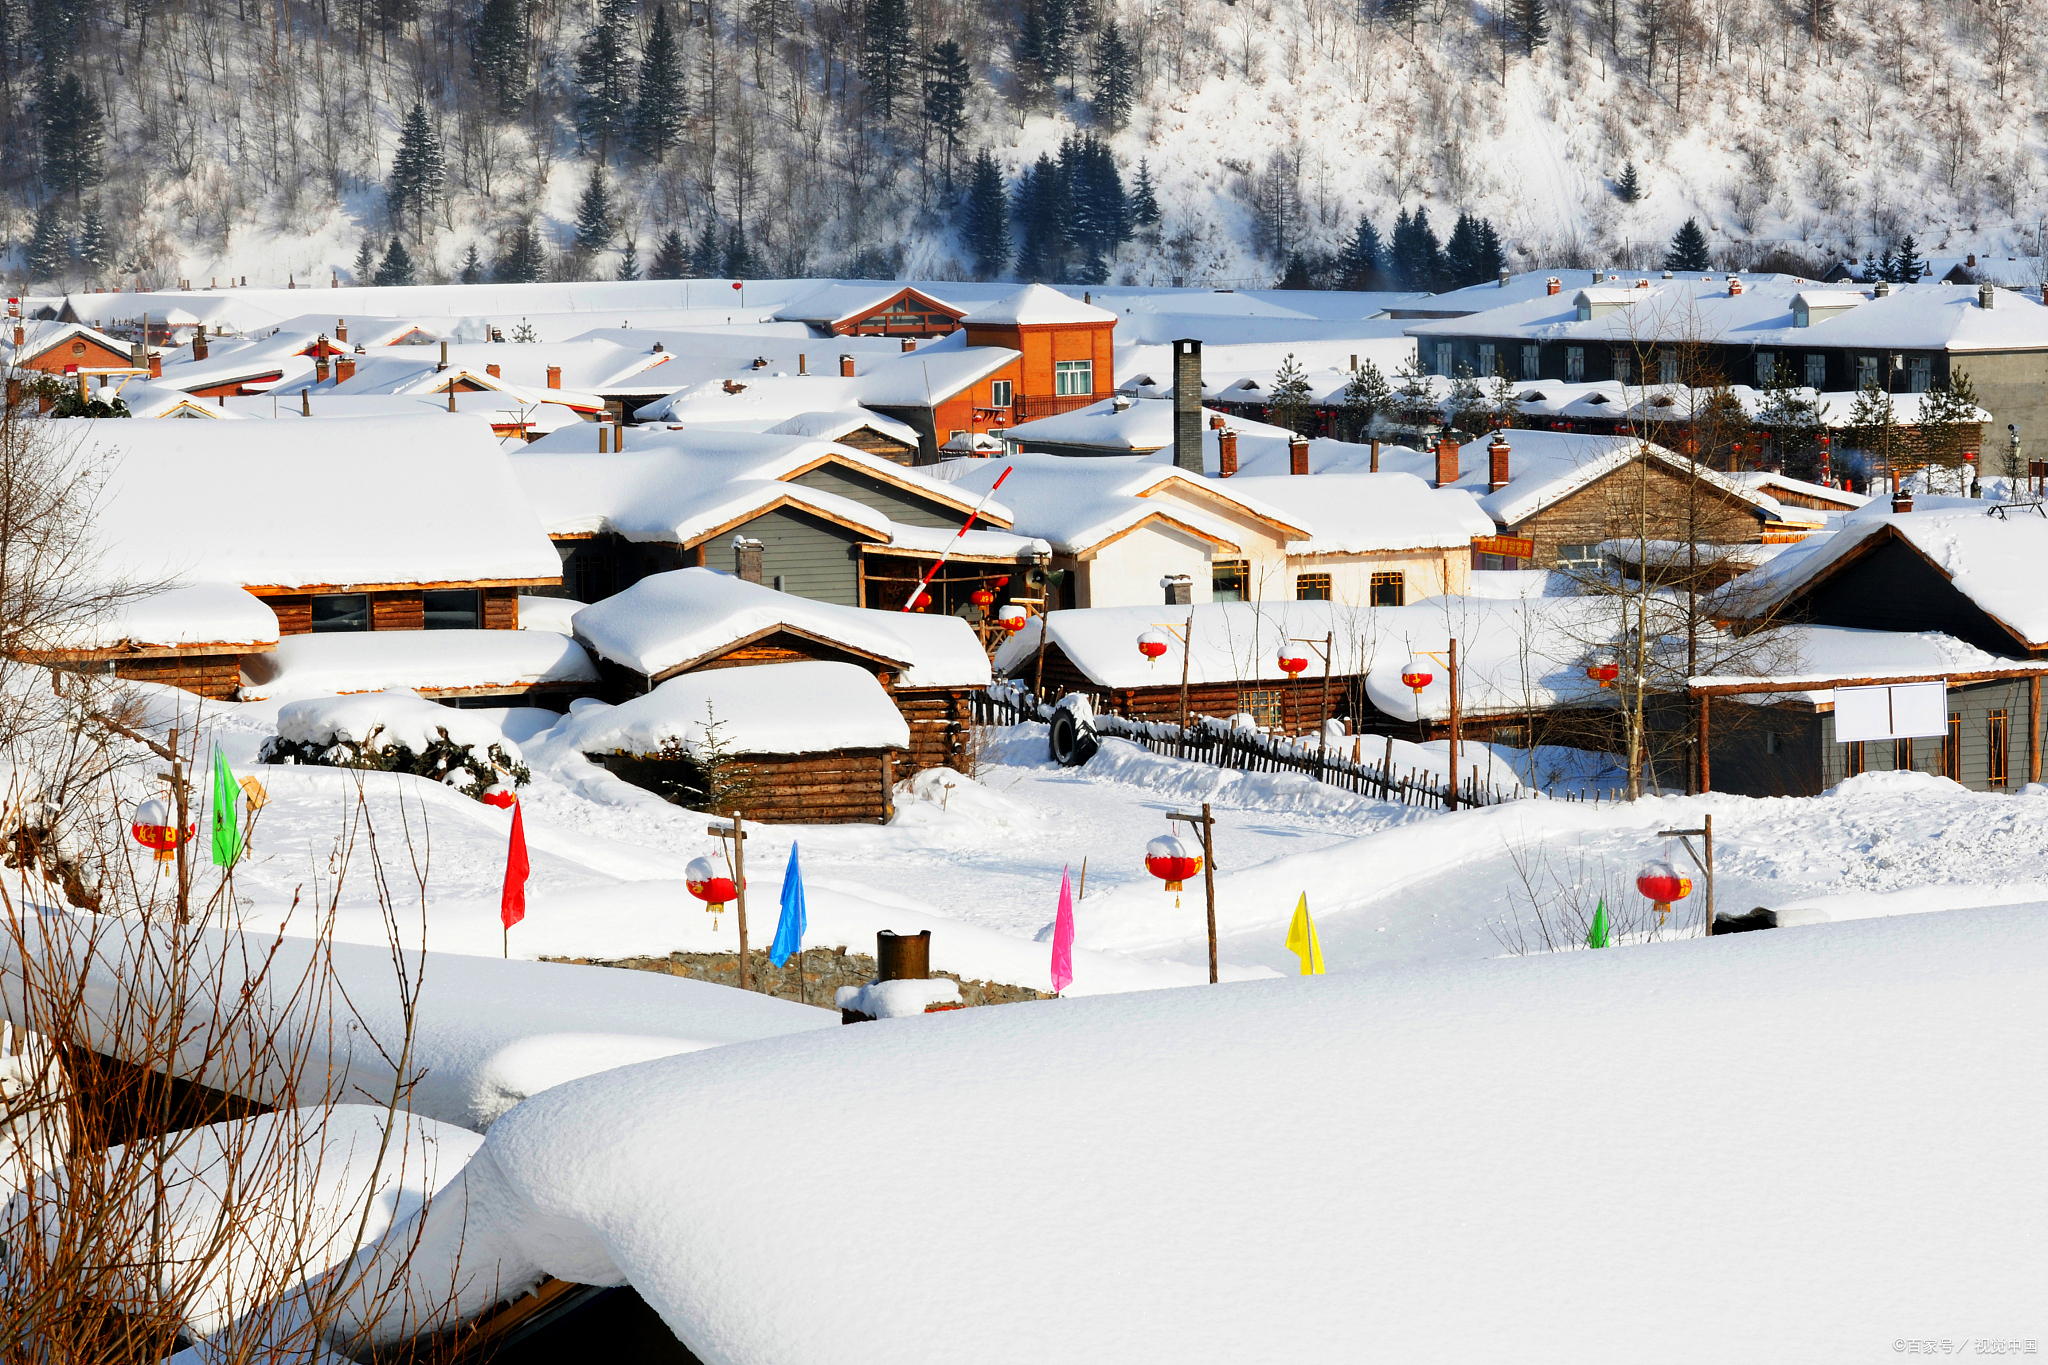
[(1445, 358), (1952, 749), (1667, 366), (454, 609), (594, 579), (1073, 377), (1488, 359), (1532, 362), (1919, 374), (999, 394), (1389, 590), (1575, 364), (1766, 368), (1866, 371), (341, 611), (1816, 372), (1228, 580), (1624, 368), (1264, 708), (1311, 587), (1853, 760), (2001, 733), (1902, 755), (1579, 556)]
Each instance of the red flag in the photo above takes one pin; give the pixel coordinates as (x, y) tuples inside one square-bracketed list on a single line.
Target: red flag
[(513, 906)]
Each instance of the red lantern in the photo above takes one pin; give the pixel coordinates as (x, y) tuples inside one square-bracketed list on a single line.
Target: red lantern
[(708, 884), (1293, 662), (1168, 859), (1661, 884), (1603, 671), (155, 828), (1416, 675), (983, 598), (500, 796), (1152, 645), (735, 284), (921, 601), (1003, 581), (1012, 618)]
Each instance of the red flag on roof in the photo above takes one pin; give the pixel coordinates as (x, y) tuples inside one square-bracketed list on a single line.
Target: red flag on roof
[(513, 906)]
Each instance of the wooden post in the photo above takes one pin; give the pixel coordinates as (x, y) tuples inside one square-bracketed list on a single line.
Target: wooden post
[(1323, 744), (1708, 825), (737, 833), (2034, 728), (1206, 823), (178, 800), (1451, 795), (1706, 766), (1187, 647)]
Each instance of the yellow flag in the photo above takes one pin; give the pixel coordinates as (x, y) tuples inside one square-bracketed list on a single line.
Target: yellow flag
[(1302, 940)]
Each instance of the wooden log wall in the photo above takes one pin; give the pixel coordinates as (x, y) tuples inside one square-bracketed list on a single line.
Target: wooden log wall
[(399, 609), (1300, 703), (941, 726), (215, 676), (844, 788)]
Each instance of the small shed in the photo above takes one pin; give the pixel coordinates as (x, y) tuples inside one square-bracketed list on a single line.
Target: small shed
[(195, 637), (807, 742)]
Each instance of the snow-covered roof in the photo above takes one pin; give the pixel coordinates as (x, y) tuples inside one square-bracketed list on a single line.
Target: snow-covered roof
[(420, 660), (1036, 305), (847, 301), (903, 379), (1826, 655), (1368, 513), (1077, 504), (789, 708), (1140, 426), (1990, 559), (1770, 484), (671, 620), (41, 337), (830, 426), (219, 615), (398, 500)]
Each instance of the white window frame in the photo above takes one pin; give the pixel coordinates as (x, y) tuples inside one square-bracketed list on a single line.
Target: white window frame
[(1816, 371), (1574, 364), (1919, 373), (1446, 358), (999, 394), (1489, 356), (1532, 360), (1667, 366), (1766, 368), (1073, 378)]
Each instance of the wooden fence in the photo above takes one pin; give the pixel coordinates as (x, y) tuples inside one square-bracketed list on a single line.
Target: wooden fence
[(1217, 742)]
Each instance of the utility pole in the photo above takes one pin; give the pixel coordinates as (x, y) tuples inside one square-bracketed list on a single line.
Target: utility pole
[(1705, 865), (1451, 792), (1206, 824), (737, 835)]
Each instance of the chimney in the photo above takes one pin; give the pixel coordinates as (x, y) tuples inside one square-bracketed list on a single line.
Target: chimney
[(1375, 454), (344, 369), (746, 556), (1987, 294), (320, 369), (554, 376), (493, 371), (444, 358), (1187, 405), (1297, 455), (1497, 464), (156, 366), (1902, 501), (604, 445), (21, 335), (1226, 453), (909, 344), (199, 344), (1552, 285), (1215, 422), (1882, 290), (341, 329), (1971, 260), (846, 367), (305, 402), (13, 393), (138, 357), (1446, 461), (1179, 588), (1734, 286), (800, 360), (1503, 279)]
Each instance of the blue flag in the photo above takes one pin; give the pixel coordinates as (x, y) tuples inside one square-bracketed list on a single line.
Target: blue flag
[(789, 934)]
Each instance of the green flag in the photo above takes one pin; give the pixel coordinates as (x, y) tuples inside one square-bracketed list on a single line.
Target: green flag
[(1597, 936), (227, 830)]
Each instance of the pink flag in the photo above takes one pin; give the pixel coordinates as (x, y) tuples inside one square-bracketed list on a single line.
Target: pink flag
[(1063, 938), (512, 905)]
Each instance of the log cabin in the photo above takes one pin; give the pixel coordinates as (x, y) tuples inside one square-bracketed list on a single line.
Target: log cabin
[(871, 310)]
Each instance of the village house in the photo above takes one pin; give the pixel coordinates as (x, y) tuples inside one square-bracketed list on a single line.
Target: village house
[(854, 309), (1067, 349), (73, 349)]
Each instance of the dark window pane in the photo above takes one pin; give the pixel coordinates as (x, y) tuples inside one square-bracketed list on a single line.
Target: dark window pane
[(454, 609), (341, 611)]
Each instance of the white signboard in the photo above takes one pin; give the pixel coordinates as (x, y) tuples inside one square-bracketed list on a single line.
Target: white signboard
[(1900, 711)]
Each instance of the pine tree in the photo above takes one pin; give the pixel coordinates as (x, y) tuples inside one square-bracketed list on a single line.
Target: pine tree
[(366, 262), (1359, 263), (704, 255), (671, 258), (1400, 13), (524, 260), (1043, 213), (74, 137), (472, 271), (738, 262), (1366, 395), (500, 51), (985, 218), (1144, 202), (95, 244), (1061, 26), (1417, 257), (1689, 249), (397, 266), (1531, 24), (604, 72), (1114, 86), (946, 81), (1295, 274), (417, 172), (48, 255), (594, 214), (1461, 253), (1290, 398), (1491, 257), (1630, 186), (885, 55), (1028, 59), (658, 112), (1906, 265), (629, 262)]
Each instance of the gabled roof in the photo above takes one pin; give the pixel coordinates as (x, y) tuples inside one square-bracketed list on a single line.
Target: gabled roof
[(1080, 505), (41, 338), (1036, 305), (1545, 467), (838, 304), (435, 661)]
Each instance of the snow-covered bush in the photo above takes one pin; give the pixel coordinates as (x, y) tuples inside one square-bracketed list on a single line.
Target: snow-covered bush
[(397, 732)]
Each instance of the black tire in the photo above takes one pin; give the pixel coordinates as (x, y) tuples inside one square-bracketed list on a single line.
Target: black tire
[(1072, 743)]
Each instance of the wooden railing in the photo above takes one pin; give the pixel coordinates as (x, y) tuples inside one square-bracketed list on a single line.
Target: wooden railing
[(1029, 409)]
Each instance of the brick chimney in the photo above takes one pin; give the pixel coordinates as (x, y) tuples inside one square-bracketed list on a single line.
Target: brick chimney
[(746, 556), (1178, 588), (21, 335), (156, 365), (1497, 464), (1297, 455), (846, 367), (1971, 260), (554, 376), (341, 329), (344, 369), (320, 369), (199, 344), (1446, 461), (1734, 286), (1187, 405), (1902, 501), (1226, 453), (1215, 422), (909, 344), (1552, 285), (493, 370), (1987, 294), (444, 357)]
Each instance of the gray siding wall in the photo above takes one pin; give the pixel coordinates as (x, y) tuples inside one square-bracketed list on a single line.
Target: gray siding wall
[(815, 558), (890, 501), (1974, 703), (2013, 387)]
